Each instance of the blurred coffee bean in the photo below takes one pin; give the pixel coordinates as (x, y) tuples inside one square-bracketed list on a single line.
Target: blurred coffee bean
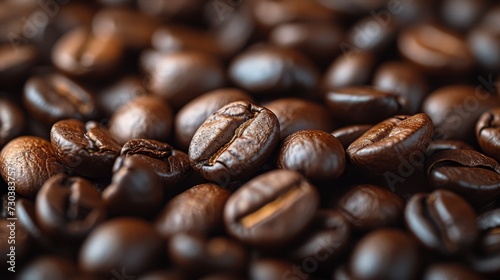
[(462, 14), (272, 209), (442, 221), (450, 271), (120, 93), (489, 219), (162, 275), (349, 69), (486, 258), (485, 44), (348, 134), (147, 117), (488, 133), (12, 121), (48, 267), (176, 38), (437, 146), (15, 62), (171, 9), (273, 269), (372, 33)]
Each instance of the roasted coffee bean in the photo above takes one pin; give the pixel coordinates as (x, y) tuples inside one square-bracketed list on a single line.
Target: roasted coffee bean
[(219, 254), (29, 161), (316, 154), (170, 39), (437, 146), (486, 257), (171, 9), (406, 81), (11, 121), (193, 114), (273, 269), (271, 209), (488, 133), (68, 207), (467, 172), (15, 62), (25, 212), (265, 69), (385, 254), (351, 69), (49, 267), (369, 207), (442, 221), (457, 271), (181, 76), (348, 134), (147, 117), (462, 14), (120, 93), (53, 97), (162, 275), (365, 104), (391, 143), (296, 114), (436, 49), (88, 149), (371, 35), (485, 44), (122, 242), (489, 219), (234, 142), (455, 109), (135, 190), (80, 53), (198, 210)]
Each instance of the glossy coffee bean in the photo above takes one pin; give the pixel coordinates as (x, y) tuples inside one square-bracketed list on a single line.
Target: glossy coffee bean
[(349, 69), (371, 33), (122, 242), (87, 148), (488, 133), (240, 128), (462, 14), (436, 49), (295, 114), (316, 154), (467, 172), (30, 161), (273, 269), (135, 190), (198, 210), (348, 134), (489, 219), (265, 69), (369, 207), (12, 121), (486, 257), (441, 271), (355, 105), (53, 97), (172, 38), (170, 165), (271, 209), (391, 143), (68, 207), (182, 76), (49, 267), (193, 114), (438, 145), (455, 109), (442, 221), (484, 42), (80, 53), (15, 62), (120, 93), (406, 81), (385, 254), (143, 117)]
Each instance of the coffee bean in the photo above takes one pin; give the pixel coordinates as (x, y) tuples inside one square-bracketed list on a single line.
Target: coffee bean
[(369, 207), (489, 219), (389, 144), (442, 221), (15, 63), (370, 35), (193, 114), (271, 209), (120, 93), (88, 149), (68, 207), (272, 269), (438, 145), (198, 210), (162, 275), (467, 172), (484, 43), (488, 133), (385, 254), (316, 154), (171, 39), (171, 9), (486, 258), (348, 134), (351, 69), (53, 97), (143, 117), (450, 271), (49, 267), (12, 121), (30, 161), (234, 142)]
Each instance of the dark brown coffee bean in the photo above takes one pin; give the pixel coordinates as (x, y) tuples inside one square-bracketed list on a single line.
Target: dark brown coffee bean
[(316, 154), (372, 34), (171, 9), (437, 146), (271, 209), (467, 172), (348, 134), (53, 97), (80, 53), (234, 142), (274, 269), (29, 161), (365, 104), (11, 121), (198, 210), (488, 133), (193, 114), (88, 149), (146, 117), (68, 207), (391, 143), (462, 14), (172, 38), (442, 221), (486, 257), (369, 207), (120, 93), (265, 69), (16, 61), (121, 243), (457, 271), (485, 44), (489, 220), (349, 69), (385, 254), (49, 267), (296, 114), (135, 190)]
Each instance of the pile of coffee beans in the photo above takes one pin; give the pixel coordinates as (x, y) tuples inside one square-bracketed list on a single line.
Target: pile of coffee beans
[(250, 139)]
